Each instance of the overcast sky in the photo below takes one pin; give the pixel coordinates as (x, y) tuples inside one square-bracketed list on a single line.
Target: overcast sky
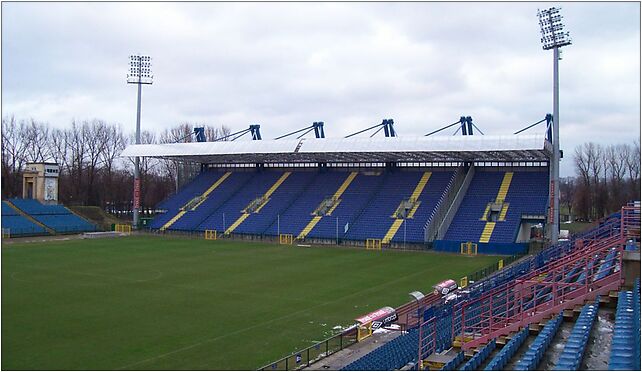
[(285, 65)]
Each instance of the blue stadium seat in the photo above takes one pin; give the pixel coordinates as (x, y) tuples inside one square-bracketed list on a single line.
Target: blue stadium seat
[(56, 217), (625, 347), (532, 357), (392, 355), (474, 362), (526, 195), (502, 358), (573, 353)]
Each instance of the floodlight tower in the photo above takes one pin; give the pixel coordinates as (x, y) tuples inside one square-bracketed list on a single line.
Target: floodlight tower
[(554, 37), (140, 72)]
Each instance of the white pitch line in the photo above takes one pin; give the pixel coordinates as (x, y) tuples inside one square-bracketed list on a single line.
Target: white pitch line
[(262, 324)]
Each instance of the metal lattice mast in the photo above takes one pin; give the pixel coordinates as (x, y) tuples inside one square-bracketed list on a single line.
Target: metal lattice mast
[(554, 37), (140, 72)]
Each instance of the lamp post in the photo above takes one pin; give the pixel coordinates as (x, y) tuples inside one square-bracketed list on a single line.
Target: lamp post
[(554, 37), (140, 73)]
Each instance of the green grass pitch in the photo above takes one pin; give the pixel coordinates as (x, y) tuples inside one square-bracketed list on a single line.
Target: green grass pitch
[(172, 303)]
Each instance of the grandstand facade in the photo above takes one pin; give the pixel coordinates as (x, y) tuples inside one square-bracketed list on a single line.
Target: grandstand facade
[(441, 191)]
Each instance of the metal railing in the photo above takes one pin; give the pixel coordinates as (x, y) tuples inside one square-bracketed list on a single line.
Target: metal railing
[(455, 203), (443, 205), (305, 357)]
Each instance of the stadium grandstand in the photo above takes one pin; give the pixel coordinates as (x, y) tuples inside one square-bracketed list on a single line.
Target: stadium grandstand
[(440, 191), (30, 217), (511, 319), (462, 194)]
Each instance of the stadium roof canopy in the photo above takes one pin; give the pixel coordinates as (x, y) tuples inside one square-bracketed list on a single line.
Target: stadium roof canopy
[(512, 148)]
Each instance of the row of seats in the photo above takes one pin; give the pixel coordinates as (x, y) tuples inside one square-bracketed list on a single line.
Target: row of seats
[(608, 266), (575, 346), (65, 223), (15, 224), (526, 195), (521, 269), (56, 217), (625, 348), (508, 351), (392, 355), (457, 360), (34, 208), (480, 357), (8, 211), (20, 226), (364, 210), (532, 357)]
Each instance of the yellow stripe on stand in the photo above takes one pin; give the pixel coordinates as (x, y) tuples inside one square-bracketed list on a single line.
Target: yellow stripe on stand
[(171, 222), (215, 185), (237, 223), (272, 189), (503, 189), (420, 186), (306, 230), (501, 196), (396, 224), (337, 194), (265, 197), (488, 231)]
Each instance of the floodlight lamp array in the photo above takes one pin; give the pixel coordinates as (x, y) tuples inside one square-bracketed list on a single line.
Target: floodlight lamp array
[(552, 29), (140, 70)]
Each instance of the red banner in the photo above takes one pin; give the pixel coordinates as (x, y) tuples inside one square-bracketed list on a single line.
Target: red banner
[(137, 193)]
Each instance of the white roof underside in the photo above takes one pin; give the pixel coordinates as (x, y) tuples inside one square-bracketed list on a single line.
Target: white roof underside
[(355, 149)]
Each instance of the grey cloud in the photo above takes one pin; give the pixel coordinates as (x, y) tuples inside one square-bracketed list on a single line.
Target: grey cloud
[(285, 65)]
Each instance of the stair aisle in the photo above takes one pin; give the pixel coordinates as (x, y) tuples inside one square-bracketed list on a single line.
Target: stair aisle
[(336, 197), (376, 217), (353, 200), (264, 199), (530, 360), (173, 203), (500, 198), (255, 185), (217, 193), (280, 200), (298, 214), (467, 225), (571, 357)]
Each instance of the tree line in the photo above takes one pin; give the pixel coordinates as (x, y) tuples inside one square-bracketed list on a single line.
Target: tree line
[(91, 171), (606, 177)]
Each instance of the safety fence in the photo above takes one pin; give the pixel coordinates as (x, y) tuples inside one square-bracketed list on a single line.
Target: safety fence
[(559, 276), (304, 358), (486, 271)]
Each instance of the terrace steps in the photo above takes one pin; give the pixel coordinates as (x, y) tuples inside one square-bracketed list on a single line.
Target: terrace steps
[(31, 219), (487, 232), (396, 224), (202, 198), (265, 198), (336, 198), (499, 199), (172, 220)]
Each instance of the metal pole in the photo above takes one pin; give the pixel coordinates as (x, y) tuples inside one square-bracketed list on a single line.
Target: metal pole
[(337, 230), (224, 227), (278, 224), (136, 208), (555, 168), (404, 233)]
